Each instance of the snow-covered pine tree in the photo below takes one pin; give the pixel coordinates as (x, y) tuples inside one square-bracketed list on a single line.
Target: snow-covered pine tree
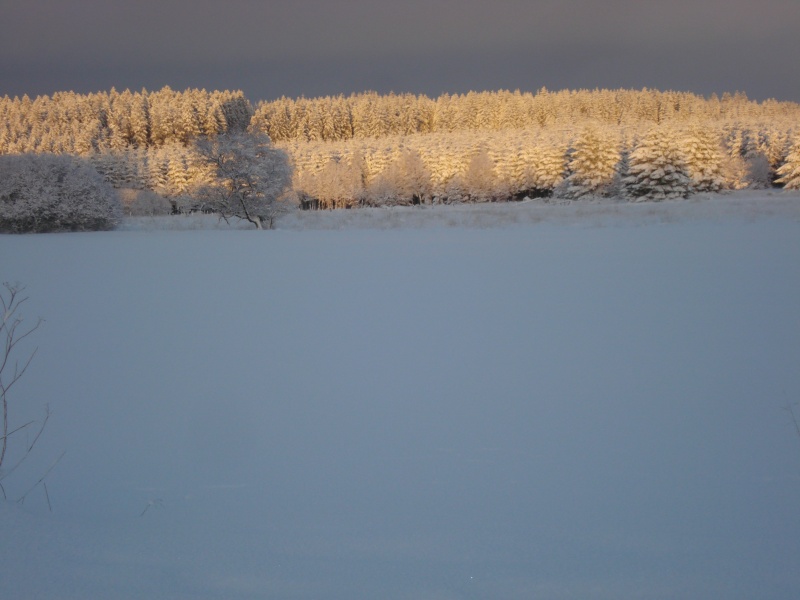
[(548, 161), (514, 164), (86, 136), (340, 116), (118, 118), (790, 170), (593, 165), (734, 167), (140, 120), (776, 145), (137, 167), (702, 150), (237, 109), (5, 137), (157, 166), (734, 139), (188, 125), (440, 157), (656, 168), (108, 164), (177, 170), (198, 172), (281, 121), (446, 115)]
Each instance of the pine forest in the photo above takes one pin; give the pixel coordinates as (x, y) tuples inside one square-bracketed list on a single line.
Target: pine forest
[(402, 149)]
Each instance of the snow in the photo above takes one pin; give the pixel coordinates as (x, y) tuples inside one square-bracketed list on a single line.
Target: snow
[(523, 401)]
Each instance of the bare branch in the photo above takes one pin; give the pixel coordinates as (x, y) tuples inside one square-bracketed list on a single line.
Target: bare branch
[(157, 502), (794, 418), (30, 447), (47, 495), (41, 429), (41, 479), (12, 333), (20, 428), (9, 330)]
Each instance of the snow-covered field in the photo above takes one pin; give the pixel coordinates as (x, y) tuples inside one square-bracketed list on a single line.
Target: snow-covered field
[(506, 402)]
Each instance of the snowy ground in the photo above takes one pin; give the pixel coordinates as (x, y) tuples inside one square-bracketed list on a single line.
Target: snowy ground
[(507, 402), (599, 211)]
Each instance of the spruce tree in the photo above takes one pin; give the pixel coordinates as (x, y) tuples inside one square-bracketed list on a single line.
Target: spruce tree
[(593, 165), (790, 171), (157, 167), (548, 160), (704, 159), (177, 175), (657, 169)]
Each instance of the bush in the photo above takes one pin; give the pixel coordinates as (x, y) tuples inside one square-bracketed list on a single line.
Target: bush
[(759, 171), (144, 203), (47, 192)]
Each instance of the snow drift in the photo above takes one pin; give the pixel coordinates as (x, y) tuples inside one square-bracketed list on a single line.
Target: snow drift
[(561, 408)]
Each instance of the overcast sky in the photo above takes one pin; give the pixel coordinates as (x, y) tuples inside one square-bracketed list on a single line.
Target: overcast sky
[(270, 48)]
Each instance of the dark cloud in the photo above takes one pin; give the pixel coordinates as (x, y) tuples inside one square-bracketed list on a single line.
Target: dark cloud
[(275, 47)]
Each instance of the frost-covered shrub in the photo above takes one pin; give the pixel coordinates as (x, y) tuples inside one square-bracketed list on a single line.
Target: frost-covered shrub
[(759, 171), (48, 192), (415, 182), (455, 190), (481, 181), (184, 204), (383, 191), (734, 171), (656, 168), (340, 184), (405, 181), (144, 203)]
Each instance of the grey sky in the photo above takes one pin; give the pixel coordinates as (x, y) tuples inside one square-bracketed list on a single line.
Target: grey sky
[(315, 47)]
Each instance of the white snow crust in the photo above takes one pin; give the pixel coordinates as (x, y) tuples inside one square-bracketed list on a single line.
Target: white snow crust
[(504, 401)]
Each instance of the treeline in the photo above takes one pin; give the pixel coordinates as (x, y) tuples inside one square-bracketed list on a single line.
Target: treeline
[(475, 166), (139, 140), (70, 123), (371, 150), (371, 115), (404, 149), (73, 123)]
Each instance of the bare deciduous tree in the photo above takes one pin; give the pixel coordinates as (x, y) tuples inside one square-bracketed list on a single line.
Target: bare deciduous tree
[(12, 332), (251, 176)]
